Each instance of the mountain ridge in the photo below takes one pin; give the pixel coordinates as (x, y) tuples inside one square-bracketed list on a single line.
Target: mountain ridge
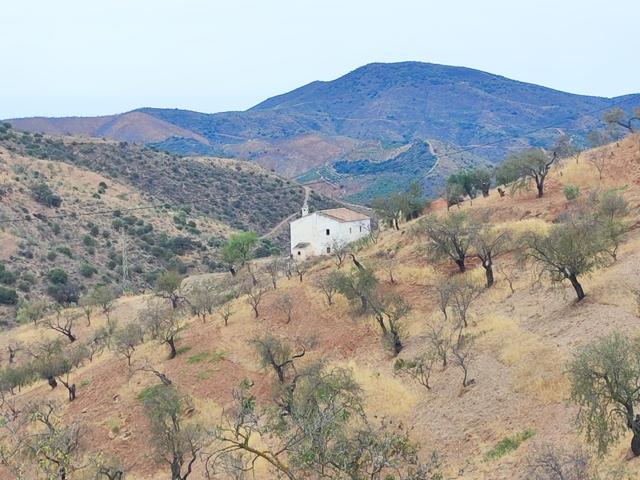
[(367, 114)]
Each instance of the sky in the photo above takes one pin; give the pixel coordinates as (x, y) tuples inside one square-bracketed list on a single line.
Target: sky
[(86, 57)]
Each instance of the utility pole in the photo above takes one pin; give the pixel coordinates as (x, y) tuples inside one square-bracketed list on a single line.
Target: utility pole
[(125, 266)]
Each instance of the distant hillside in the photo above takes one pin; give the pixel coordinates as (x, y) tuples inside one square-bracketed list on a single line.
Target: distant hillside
[(369, 114), (64, 204)]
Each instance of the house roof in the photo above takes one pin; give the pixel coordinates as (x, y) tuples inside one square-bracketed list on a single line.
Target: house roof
[(343, 214)]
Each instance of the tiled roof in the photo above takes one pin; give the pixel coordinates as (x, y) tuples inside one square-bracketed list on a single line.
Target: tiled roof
[(343, 214)]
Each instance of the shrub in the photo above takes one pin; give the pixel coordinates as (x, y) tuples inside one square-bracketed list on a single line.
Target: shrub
[(8, 296), (87, 270), (89, 241), (64, 294), (51, 255), (57, 276), (43, 194), (571, 192), (63, 249), (7, 277)]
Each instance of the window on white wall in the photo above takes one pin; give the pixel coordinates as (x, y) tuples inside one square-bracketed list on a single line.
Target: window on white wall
[(328, 232), (328, 249), (360, 227)]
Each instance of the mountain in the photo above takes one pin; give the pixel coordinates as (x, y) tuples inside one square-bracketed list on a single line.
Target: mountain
[(372, 114)]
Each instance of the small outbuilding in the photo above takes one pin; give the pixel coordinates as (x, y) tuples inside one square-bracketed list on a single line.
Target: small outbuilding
[(319, 233)]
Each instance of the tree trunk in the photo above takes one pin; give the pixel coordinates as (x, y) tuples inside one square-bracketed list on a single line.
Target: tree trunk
[(365, 304), (576, 286), (172, 346), (464, 380), (635, 444), (488, 271), (461, 266), (540, 187), (71, 388), (52, 382), (70, 336), (175, 470), (397, 343)]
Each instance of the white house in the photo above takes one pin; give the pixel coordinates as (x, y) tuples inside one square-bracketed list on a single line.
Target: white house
[(319, 232)]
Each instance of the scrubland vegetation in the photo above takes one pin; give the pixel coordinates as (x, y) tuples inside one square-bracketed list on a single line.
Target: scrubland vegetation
[(497, 339)]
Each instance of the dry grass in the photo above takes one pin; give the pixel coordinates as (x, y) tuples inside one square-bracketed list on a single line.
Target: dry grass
[(523, 341)]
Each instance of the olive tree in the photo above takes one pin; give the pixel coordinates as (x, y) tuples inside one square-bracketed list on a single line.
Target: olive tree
[(522, 168), (488, 244), (463, 354), (357, 286), (62, 321), (568, 251), (316, 424), (168, 285), (254, 293), (548, 462), (449, 237), (328, 285), (163, 324), (177, 440), (203, 297), (605, 383), (389, 310), (276, 354), (126, 339), (617, 117), (34, 310), (104, 297), (284, 303), (239, 249), (418, 368)]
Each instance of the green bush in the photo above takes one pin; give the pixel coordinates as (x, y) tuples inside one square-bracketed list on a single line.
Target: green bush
[(43, 194), (57, 276), (89, 241), (571, 192), (51, 255), (63, 249), (8, 296), (87, 270), (7, 277)]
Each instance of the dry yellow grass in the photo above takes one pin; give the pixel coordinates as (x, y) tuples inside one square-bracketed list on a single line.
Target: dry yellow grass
[(523, 340)]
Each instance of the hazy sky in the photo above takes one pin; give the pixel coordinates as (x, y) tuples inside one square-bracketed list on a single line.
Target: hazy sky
[(90, 57)]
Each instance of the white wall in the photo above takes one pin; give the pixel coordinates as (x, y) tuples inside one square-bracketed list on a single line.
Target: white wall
[(312, 229)]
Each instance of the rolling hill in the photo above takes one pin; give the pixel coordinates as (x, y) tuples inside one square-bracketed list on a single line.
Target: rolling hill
[(523, 332), (65, 203), (371, 114)]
